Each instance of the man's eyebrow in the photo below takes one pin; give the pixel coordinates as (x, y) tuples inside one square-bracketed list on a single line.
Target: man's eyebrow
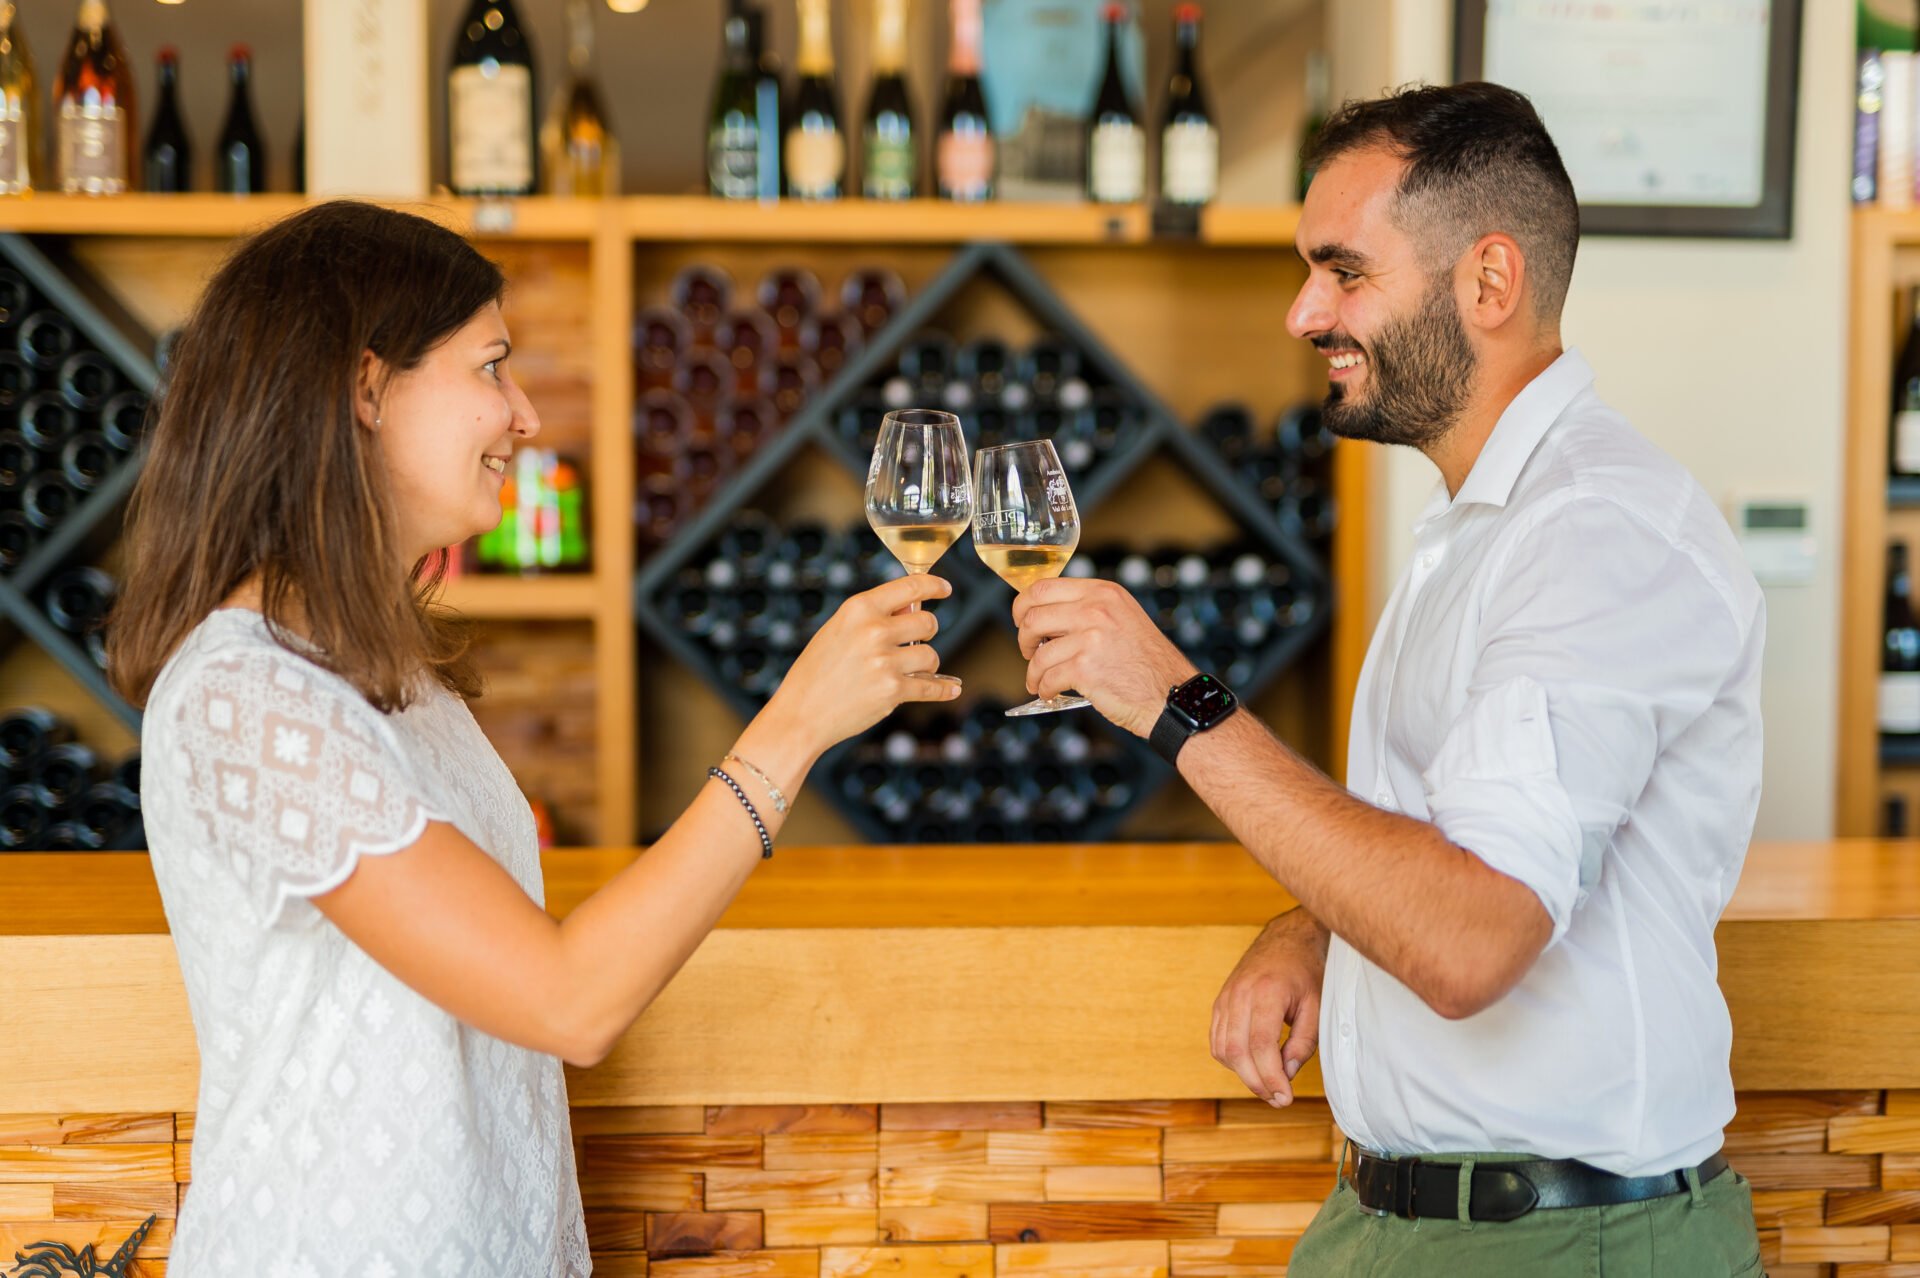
[(1339, 255)]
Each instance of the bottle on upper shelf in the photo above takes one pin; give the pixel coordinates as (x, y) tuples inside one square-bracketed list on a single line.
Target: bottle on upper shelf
[(1189, 142), (1319, 108), (240, 162), (21, 162), (167, 158), (889, 152), (491, 133), (1903, 439), (1899, 697), (579, 153), (1116, 145), (733, 122), (93, 124), (965, 152), (815, 149)]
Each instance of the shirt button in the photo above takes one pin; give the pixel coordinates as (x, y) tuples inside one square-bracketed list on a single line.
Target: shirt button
[(1426, 561), (1346, 1030), (1384, 799)]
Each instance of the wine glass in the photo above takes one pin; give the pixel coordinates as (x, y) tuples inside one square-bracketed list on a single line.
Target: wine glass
[(919, 494), (1025, 527)]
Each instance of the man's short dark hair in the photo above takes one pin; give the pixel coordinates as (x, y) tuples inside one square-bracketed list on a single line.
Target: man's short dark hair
[(1479, 160)]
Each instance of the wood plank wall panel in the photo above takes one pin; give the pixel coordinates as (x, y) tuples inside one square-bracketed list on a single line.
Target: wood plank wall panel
[(1155, 1188)]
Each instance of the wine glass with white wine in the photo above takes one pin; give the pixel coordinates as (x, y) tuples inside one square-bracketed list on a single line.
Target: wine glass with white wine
[(1026, 527), (919, 492)]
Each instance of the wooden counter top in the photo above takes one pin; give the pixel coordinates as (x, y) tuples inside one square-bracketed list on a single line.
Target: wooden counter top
[(1105, 885), (952, 974)]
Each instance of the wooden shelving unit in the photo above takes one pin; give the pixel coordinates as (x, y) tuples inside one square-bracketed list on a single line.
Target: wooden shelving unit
[(579, 267)]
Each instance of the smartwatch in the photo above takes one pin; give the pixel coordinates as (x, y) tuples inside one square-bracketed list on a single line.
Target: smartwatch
[(1200, 703)]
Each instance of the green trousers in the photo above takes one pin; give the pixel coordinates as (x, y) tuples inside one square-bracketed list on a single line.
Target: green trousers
[(1705, 1233)]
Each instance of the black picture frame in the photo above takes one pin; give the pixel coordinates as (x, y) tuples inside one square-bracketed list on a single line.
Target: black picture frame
[(1770, 219)]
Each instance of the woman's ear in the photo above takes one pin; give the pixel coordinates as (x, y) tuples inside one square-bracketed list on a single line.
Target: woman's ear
[(366, 390)]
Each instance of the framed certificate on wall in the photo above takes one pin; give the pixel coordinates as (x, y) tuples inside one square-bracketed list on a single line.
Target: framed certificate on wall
[(1673, 119)]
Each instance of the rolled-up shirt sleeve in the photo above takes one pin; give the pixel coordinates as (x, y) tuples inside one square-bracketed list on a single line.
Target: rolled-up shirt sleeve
[(1602, 642)]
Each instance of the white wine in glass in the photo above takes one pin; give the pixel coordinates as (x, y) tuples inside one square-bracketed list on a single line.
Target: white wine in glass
[(919, 491), (1025, 528)]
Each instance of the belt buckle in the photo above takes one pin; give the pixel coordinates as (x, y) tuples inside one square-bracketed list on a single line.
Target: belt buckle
[(1356, 1154)]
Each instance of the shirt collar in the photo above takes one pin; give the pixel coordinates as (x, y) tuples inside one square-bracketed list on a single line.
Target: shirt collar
[(1517, 434)]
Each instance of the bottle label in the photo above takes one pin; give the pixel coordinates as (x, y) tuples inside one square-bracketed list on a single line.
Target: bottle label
[(14, 175), (966, 165), (733, 161), (815, 159), (1190, 163), (1900, 701), (93, 149), (490, 127), (1906, 442), (1119, 163), (889, 168)]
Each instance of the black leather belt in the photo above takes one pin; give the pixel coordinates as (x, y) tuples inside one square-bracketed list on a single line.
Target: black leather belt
[(1410, 1188)]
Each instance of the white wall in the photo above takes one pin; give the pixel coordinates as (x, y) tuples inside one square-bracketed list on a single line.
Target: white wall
[(1729, 355)]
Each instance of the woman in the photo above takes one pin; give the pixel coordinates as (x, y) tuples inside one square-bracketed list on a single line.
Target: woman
[(351, 877)]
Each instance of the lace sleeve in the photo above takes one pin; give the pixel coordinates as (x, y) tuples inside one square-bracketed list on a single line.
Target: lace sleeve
[(291, 774)]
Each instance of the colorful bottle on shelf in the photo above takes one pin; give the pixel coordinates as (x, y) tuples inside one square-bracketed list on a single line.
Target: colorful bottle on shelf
[(965, 155), (733, 122), (93, 108), (167, 159), (491, 147), (1116, 144), (1189, 142), (579, 153), (1899, 695), (890, 153), (240, 161), (21, 161), (1903, 437), (815, 148)]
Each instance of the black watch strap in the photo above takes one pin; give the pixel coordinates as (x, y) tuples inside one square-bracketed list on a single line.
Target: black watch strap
[(1170, 733)]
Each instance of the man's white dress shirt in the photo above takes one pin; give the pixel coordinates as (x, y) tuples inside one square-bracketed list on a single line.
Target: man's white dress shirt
[(1566, 682)]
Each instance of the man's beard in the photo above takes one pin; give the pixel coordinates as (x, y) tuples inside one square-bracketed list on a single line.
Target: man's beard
[(1419, 374)]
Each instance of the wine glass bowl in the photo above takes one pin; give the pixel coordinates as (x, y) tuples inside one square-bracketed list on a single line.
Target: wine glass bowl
[(1026, 527), (919, 489)]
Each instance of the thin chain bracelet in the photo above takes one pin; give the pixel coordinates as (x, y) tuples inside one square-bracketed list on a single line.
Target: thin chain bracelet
[(779, 799), (766, 840)]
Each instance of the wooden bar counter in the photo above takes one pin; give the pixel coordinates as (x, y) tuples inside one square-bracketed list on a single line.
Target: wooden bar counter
[(969, 1061)]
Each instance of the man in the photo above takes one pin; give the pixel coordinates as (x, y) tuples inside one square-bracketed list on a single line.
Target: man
[(1505, 938)]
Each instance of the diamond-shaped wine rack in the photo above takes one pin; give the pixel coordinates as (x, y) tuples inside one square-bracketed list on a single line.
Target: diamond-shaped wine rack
[(98, 326), (852, 770)]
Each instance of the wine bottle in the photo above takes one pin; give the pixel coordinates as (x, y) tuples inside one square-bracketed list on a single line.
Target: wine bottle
[(1189, 143), (1319, 108), (168, 156), (966, 151), (29, 732), (45, 339), (769, 111), (87, 381), (298, 181), (86, 460), (79, 600), (1899, 700), (47, 421), (15, 299), (733, 122), (789, 296), (815, 148), (18, 460), (47, 499), (240, 162), (890, 161), (124, 419), (1904, 437), (17, 539), (103, 811), (579, 152), (93, 108), (491, 104), (23, 822), (702, 294), (60, 774), (873, 295), (21, 163), (1116, 147)]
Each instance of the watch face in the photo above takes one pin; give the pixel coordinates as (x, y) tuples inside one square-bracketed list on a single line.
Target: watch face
[(1204, 699)]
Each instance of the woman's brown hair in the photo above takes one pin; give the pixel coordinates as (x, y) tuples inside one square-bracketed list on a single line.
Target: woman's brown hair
[(258, 465)]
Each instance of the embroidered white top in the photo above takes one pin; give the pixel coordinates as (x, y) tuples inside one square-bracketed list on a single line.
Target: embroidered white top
[(1566, 681), (346, 1125)]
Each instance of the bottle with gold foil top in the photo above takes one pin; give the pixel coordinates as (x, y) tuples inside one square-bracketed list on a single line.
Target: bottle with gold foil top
[(579, 154), (890, 166), (21, 163), (966, 150), (815, 149), (93, 112)]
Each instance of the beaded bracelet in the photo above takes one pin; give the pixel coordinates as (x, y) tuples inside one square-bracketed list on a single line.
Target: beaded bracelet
[(766, 840)]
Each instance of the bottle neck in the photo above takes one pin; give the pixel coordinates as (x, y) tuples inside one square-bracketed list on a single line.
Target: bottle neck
[(579, 37), (739, 44), (1319, 89), (963, 55), (92, 16), (890, 37), (1186, 47), (240, 71), (816, 39)]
